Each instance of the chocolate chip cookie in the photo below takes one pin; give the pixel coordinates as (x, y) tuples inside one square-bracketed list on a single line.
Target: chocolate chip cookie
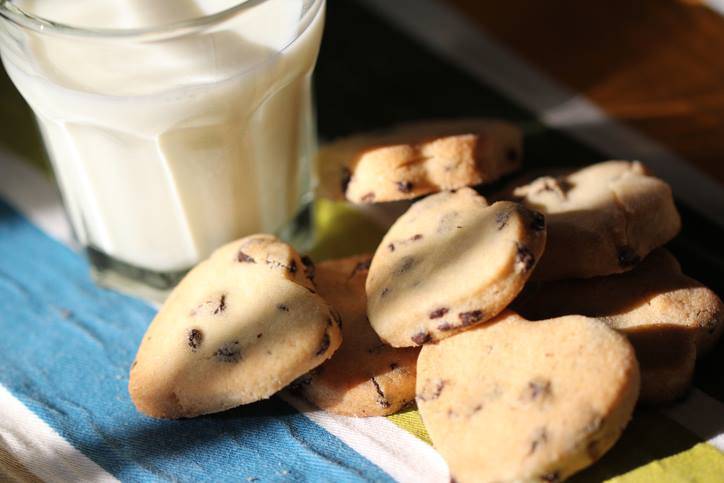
[(419, 158), (238, 328), (515, 400), (602, 219), (450, 262)]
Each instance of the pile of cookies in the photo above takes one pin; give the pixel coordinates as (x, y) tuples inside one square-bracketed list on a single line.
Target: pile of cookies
[(526, 326)]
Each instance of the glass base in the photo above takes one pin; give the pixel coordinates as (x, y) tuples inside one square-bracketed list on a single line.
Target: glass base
[(139, 282), (155, 286)]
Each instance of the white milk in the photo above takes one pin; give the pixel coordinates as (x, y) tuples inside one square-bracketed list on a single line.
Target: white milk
[(166, 149)]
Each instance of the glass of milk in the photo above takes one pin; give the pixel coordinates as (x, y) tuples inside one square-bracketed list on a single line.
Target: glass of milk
[(173, 126)]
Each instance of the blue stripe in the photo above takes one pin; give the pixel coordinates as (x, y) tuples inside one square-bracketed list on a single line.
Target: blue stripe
[(65, 349)]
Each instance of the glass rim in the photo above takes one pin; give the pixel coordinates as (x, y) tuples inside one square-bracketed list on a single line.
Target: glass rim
[(14, 14)]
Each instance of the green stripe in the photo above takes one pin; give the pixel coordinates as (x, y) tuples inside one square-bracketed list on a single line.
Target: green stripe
[(650, 436), (652, 448), (703, 464)]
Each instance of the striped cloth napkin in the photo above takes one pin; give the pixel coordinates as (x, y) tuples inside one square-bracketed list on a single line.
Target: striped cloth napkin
[(66, 344)]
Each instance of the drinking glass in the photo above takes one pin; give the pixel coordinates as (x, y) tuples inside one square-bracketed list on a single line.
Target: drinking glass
[(171, 138)]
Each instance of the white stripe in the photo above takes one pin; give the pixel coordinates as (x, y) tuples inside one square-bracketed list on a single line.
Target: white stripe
[(458, 39), (702, 415), (397, 452), (33, 194), (40, 449)]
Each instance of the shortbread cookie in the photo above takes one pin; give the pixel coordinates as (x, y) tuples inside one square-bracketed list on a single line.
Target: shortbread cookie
[(238, 328), (514, 400), (668, 316), (419, 158), (450, 262), (602, 219), (365, 377)]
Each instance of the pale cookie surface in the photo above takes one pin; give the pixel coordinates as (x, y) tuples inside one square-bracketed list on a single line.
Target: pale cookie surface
[(450, 262), (365, 377), (419, 158), (668, 317), (602, 219), (238, 328), (515, 400)]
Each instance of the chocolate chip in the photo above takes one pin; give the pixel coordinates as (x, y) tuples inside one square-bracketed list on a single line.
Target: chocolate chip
[(431, 393), (258, 336), (338, 318), (309, 268), (368, 198), (222, 305), (540, 437), (511, 154), (537, 389), (299, 384), (194, 339), (391, 247), (524, 259), (501, 219), (346, 177), (362, 266), (283, 307), (404, 186), (627, 257), (229, 352), (468, 318), (538, 221), (552, 477), (384, 293), (292, 267), (560, 186), (416, 237), (244, 258), (324, 345), (421, 338), (406, 264), (381, 399), (437, 313), (445, 326)]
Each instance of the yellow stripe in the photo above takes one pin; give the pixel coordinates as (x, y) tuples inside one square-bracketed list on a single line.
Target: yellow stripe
[(411, 422), (703, 464), (342, 231)]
